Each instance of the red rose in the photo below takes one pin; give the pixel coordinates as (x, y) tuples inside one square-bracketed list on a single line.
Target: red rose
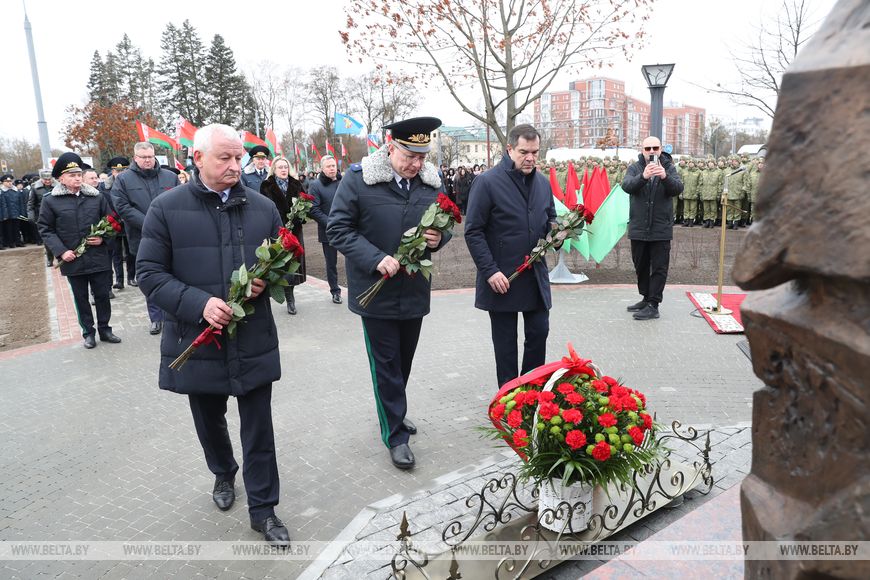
[(457, 217), (521, 438), (114, 223), (548, 410), (290, 242), (588, 216), (546, 396), (305, 196), (575, 439), (497, 412), (606, 420), (599, 386), (575, 398), (610, 380), (515, 419), (601, 452), (647, 421), (565, 388), (572, 416), (636, 434)]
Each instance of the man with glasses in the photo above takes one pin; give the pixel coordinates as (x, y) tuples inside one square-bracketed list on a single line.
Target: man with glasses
[(376, 202), (510, 208), (132, 194), (652, 183)]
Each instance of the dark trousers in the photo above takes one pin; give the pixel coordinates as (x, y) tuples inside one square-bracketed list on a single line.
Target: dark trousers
[(536, 326), (49, 257), (260, 470), (129, 257), (30, 233), (651, 261), (331, 256), (391, 345), (11, 233), (100, 285), (115, 252)]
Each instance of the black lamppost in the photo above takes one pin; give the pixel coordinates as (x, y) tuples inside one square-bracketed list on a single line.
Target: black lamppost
[(656, 76)]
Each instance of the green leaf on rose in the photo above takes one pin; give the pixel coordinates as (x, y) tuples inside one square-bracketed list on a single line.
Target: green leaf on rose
[(238, 310), (231, 328), (262, 253), (243, 274), (429, 216)]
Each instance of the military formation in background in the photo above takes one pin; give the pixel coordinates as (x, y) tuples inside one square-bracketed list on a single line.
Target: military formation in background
[(704, 180)]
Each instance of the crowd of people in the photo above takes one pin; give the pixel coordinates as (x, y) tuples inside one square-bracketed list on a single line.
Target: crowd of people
[(183, 233)]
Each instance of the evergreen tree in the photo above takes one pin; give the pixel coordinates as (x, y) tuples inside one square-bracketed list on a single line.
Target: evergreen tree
[(96, 80), (226, 87), (180, 83)]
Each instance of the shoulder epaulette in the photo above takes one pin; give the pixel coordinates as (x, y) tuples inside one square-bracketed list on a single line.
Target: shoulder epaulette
[(356, 167)]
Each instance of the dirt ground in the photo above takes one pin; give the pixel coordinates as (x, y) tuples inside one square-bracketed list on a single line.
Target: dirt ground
[(694, 260), (23, 298)]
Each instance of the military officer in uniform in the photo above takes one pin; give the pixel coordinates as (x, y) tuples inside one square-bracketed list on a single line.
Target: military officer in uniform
[(691, 180), (752, 189), (255, 172), (376, 202), (736, 193), (710, 188)]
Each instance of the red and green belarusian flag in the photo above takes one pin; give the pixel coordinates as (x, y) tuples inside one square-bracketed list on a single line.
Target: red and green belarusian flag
[(372, 144), (250, 140), (185, 132), (330, 149), (314, 148), (343, 151), (179, 165), (272, 143), (155, 137)]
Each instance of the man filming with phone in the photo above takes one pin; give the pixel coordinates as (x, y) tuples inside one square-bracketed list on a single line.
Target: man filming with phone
[(651, 183)]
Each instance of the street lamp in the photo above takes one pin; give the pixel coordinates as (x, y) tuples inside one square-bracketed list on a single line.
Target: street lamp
[(656, 76)]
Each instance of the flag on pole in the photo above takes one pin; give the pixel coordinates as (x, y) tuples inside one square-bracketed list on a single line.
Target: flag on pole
[(609, 225), (155, 137), (184, 132), (296, 149), (596, 190), (314, 148), (581, 245), (179, 165), (372, 142), (343, 152), (330, 149), (272, 142), (572, 185), (250, 140), (346, 125)]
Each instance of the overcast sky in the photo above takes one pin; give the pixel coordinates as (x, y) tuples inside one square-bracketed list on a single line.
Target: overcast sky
[(694, 35)]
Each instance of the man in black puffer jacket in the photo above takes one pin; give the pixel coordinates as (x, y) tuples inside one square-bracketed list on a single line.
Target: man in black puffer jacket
[(65, 217), (323, 191), (194, 236), (652, 182), (132, 194)]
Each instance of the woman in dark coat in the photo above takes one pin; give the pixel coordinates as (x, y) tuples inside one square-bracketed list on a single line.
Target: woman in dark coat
[(462, 185), (283, 187)]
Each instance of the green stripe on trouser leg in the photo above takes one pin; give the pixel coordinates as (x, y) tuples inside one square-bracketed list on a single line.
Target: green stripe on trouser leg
[(382, 415), (76, 306)]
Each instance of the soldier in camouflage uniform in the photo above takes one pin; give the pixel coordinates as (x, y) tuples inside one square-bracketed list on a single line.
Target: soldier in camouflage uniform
[(690, 195), (752, 189), (709, 188), (736, 193), (679, 206)]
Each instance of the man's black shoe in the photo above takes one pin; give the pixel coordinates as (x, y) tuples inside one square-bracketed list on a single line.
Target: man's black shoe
[(134, 283), (273, 531), (336, 298), (409, 426), (291, 306), (648, 313), (111, 295), (401, 456), (90, 341), (637, 307), (224, 494), (109, 336), (156, 327), (118, 285)]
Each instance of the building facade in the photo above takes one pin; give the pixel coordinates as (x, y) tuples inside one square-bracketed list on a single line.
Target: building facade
[(596, 112)]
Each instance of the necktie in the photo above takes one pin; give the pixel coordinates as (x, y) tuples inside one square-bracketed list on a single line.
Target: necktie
[(403, 183)]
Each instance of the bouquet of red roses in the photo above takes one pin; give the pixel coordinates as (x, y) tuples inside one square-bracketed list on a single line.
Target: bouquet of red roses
[(108, 227), (569, 226), (299, 210), (442, 215), (275, 259), (568, 421)]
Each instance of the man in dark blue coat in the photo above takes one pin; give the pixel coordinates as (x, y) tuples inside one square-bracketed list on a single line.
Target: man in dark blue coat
[(510, 208), (376, 202), (256, 172), (193, 238), (132, 193), (652, 182), (323, 190), (65, 217)]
